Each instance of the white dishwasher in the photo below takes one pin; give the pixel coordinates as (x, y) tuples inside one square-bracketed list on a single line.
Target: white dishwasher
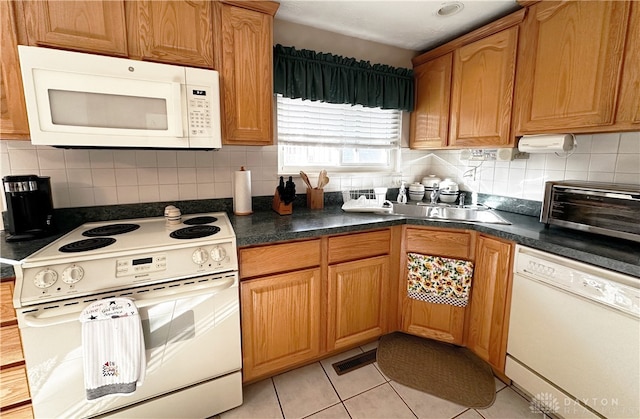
[(574, 337)]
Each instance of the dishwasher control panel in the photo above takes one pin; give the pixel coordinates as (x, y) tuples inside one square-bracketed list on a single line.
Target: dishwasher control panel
[(617, 291)]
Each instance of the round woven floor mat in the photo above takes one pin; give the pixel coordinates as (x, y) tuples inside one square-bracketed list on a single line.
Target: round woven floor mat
[(447, 371)]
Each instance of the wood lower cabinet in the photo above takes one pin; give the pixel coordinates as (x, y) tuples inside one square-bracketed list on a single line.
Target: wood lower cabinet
[(280, 298), (436, 321), (13, 112), (280, 321), (358, 293), (246, 70), (174, 32), (90, 26), (482, 92), (569, 65), (490, 301), (430, 118), (303, 300)]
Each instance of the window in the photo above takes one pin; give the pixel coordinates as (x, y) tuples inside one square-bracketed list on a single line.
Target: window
[(340, 137)]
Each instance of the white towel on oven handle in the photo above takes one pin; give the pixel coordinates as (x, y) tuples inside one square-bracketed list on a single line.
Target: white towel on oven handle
[(113, 348)]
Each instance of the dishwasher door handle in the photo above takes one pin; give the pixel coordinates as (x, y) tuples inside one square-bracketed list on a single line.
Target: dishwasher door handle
[(31, 319)]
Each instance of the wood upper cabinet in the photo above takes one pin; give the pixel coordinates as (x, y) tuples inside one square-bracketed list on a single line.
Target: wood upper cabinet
[(430, 118), (436, 321), (280, 321), (174, 32), (490, 301), (482, 92), (246, 71), (13, 112), (569, 65), (90, 26), (628, 116)]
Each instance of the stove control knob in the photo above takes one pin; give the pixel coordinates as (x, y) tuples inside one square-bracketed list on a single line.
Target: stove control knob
[(72, 274), (45, 278), (218, 254), (200, 256)]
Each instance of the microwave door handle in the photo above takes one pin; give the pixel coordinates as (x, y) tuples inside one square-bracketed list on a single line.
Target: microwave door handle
[(176, 92), (31, 320)]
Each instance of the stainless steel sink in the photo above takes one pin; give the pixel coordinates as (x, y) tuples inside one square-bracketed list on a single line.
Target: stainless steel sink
[(444, 212)]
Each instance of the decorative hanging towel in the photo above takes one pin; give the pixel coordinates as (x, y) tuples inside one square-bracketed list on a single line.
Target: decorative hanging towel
[(439, 280), (113, 347)]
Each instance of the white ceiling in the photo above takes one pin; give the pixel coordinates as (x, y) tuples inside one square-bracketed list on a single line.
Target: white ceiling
[(412, 24)]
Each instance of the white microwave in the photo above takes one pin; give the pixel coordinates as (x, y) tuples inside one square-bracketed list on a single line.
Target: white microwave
[(84, 101)]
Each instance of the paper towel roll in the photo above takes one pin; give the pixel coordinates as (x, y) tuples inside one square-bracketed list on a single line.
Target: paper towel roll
[(242, 192)]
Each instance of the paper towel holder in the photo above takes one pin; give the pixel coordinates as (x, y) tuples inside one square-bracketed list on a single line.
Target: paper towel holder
[(547, 143)]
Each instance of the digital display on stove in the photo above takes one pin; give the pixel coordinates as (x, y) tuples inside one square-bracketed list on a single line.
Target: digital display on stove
[(141, 261)]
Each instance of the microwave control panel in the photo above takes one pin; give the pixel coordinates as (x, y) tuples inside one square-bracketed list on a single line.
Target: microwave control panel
[(199, 105)]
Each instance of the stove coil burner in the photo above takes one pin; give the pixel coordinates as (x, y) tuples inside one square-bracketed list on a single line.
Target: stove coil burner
[(110, 230), (88, 244), (200, 220), (194, 232)]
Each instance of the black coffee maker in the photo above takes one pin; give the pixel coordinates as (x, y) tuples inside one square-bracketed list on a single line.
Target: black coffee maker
[(29, 207)]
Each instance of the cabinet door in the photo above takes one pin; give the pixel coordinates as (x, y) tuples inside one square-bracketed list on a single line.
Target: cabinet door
[(430, 118), (173, 32), (482, 92), (436, 321), (247, 76), (90, 26), (491, 287), (628, 116), (357, 301), (569, 65), (13, 112), (280, 321)]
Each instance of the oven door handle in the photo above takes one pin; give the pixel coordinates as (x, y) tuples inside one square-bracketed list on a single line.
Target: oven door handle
[(32, 320)]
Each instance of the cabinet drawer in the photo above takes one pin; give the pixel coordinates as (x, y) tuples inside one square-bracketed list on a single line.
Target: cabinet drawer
[(439, 242), (265, 260), (359, 246)]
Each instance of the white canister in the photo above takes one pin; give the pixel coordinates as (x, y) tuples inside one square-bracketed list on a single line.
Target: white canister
[(431, 181), (448, 185)]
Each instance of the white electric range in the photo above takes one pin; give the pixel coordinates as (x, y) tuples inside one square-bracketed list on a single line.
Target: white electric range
[(183, 278)]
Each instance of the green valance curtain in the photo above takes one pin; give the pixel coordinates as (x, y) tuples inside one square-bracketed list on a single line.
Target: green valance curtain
[(331, 78)]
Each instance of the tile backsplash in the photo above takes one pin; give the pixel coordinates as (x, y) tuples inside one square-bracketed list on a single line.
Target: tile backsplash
[(598, 157), (105, 177)]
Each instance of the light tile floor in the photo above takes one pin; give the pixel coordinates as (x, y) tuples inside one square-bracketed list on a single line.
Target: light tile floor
[(316, 391)]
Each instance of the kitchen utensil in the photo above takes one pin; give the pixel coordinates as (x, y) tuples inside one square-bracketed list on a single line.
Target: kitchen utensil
[(305, 179), (322, 179)]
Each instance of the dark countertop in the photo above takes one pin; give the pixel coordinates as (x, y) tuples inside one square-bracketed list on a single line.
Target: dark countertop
[(267, 227)]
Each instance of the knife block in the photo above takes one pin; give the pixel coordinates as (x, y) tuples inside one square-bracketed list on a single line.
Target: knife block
[(279, 206)]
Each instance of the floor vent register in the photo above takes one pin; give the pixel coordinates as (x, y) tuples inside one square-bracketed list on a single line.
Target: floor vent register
[(355, 362)]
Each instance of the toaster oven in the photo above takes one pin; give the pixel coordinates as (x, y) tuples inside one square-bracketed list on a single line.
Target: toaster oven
[(611, 209)]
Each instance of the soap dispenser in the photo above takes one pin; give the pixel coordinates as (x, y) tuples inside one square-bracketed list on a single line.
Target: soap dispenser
[(402, 194)]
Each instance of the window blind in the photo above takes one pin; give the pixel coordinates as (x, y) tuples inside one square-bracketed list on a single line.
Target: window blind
[(338, 125)]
